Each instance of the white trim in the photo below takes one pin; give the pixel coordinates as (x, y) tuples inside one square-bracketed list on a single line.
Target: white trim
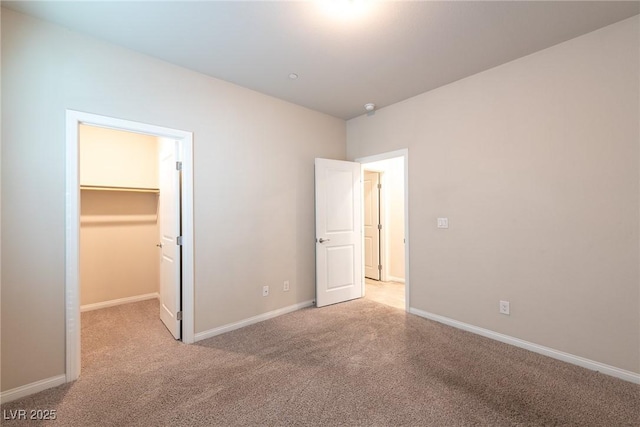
[(72, 251), (28, 389), (395, 279), (383, 156), (536, 348), (251, 320), (188, 242), (404, 153), (72, 224), (119, 301)]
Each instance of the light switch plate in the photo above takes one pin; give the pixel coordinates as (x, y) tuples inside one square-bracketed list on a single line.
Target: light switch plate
[(443, 222)]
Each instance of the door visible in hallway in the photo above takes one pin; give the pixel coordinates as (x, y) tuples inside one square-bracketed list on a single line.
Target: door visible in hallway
[(372, 225), (169, 206)]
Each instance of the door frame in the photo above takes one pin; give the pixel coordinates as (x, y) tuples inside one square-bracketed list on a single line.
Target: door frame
[(72, 226), (404, 153)]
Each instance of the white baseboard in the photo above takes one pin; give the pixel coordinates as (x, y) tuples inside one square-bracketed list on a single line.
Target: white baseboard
[(394, 279), (251, 320), (556, 354), (114, 302), (36, 387)]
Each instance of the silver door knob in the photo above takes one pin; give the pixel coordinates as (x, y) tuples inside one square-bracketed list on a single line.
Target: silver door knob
[(324, 240)]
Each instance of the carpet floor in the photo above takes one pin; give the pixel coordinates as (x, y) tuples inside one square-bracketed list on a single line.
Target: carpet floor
[(359, 363)]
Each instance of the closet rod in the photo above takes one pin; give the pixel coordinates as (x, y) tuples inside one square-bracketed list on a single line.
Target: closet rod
[(109, 188)]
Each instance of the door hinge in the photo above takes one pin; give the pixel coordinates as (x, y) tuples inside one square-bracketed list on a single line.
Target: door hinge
[(379, 226), (179, 240), (179, 315), (178, 166), (379, 267), (379, 186)]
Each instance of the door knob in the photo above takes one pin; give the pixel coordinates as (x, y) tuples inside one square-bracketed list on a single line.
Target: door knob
[(324, 240), (159, 245)]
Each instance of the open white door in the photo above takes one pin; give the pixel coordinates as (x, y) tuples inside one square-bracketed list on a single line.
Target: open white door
[(372, 225), (169, 207), (338, 231)]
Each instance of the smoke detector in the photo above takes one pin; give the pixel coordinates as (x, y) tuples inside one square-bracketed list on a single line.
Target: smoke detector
[(370, 106)]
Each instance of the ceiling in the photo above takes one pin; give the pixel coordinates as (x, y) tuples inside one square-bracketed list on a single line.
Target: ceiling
[(377, 51)]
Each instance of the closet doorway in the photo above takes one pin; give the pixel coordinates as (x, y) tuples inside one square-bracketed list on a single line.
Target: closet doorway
[(129, 222)]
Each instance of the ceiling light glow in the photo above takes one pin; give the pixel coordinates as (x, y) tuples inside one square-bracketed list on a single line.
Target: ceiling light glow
[(346, 10)]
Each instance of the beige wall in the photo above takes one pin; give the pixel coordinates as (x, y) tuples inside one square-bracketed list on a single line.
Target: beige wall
[(253, 189), (393, 188), (535, 163), (118, 253), (118, 229)]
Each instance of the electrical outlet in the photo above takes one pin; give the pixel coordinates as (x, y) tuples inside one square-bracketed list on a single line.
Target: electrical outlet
[(504, 307), (265, 291), (443, 222), (285, 287)]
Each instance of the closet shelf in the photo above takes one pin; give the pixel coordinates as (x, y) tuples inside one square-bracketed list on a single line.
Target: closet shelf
[(108, 188)]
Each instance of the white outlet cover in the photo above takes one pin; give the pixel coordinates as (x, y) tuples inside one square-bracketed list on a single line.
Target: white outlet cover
[(504, 307), (265, 291), (443, 222), (286, 286)]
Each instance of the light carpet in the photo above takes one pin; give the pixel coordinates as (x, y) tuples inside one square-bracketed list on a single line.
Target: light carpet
[(359, 363)]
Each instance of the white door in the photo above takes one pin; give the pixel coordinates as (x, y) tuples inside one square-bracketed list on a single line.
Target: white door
[(338, 231), (371, 188), (169, 207)]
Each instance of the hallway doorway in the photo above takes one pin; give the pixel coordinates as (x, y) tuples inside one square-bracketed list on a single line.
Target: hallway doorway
[(384, 179)]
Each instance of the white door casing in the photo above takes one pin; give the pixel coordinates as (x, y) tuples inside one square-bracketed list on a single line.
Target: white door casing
[(169, 221), (338, 231), (72, 226), (404, 154), (372, 262)]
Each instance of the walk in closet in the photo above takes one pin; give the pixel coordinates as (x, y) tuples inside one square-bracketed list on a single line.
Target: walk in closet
[(119, 259)]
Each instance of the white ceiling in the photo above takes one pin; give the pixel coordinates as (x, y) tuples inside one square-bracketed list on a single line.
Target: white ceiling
[(392, 51)]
